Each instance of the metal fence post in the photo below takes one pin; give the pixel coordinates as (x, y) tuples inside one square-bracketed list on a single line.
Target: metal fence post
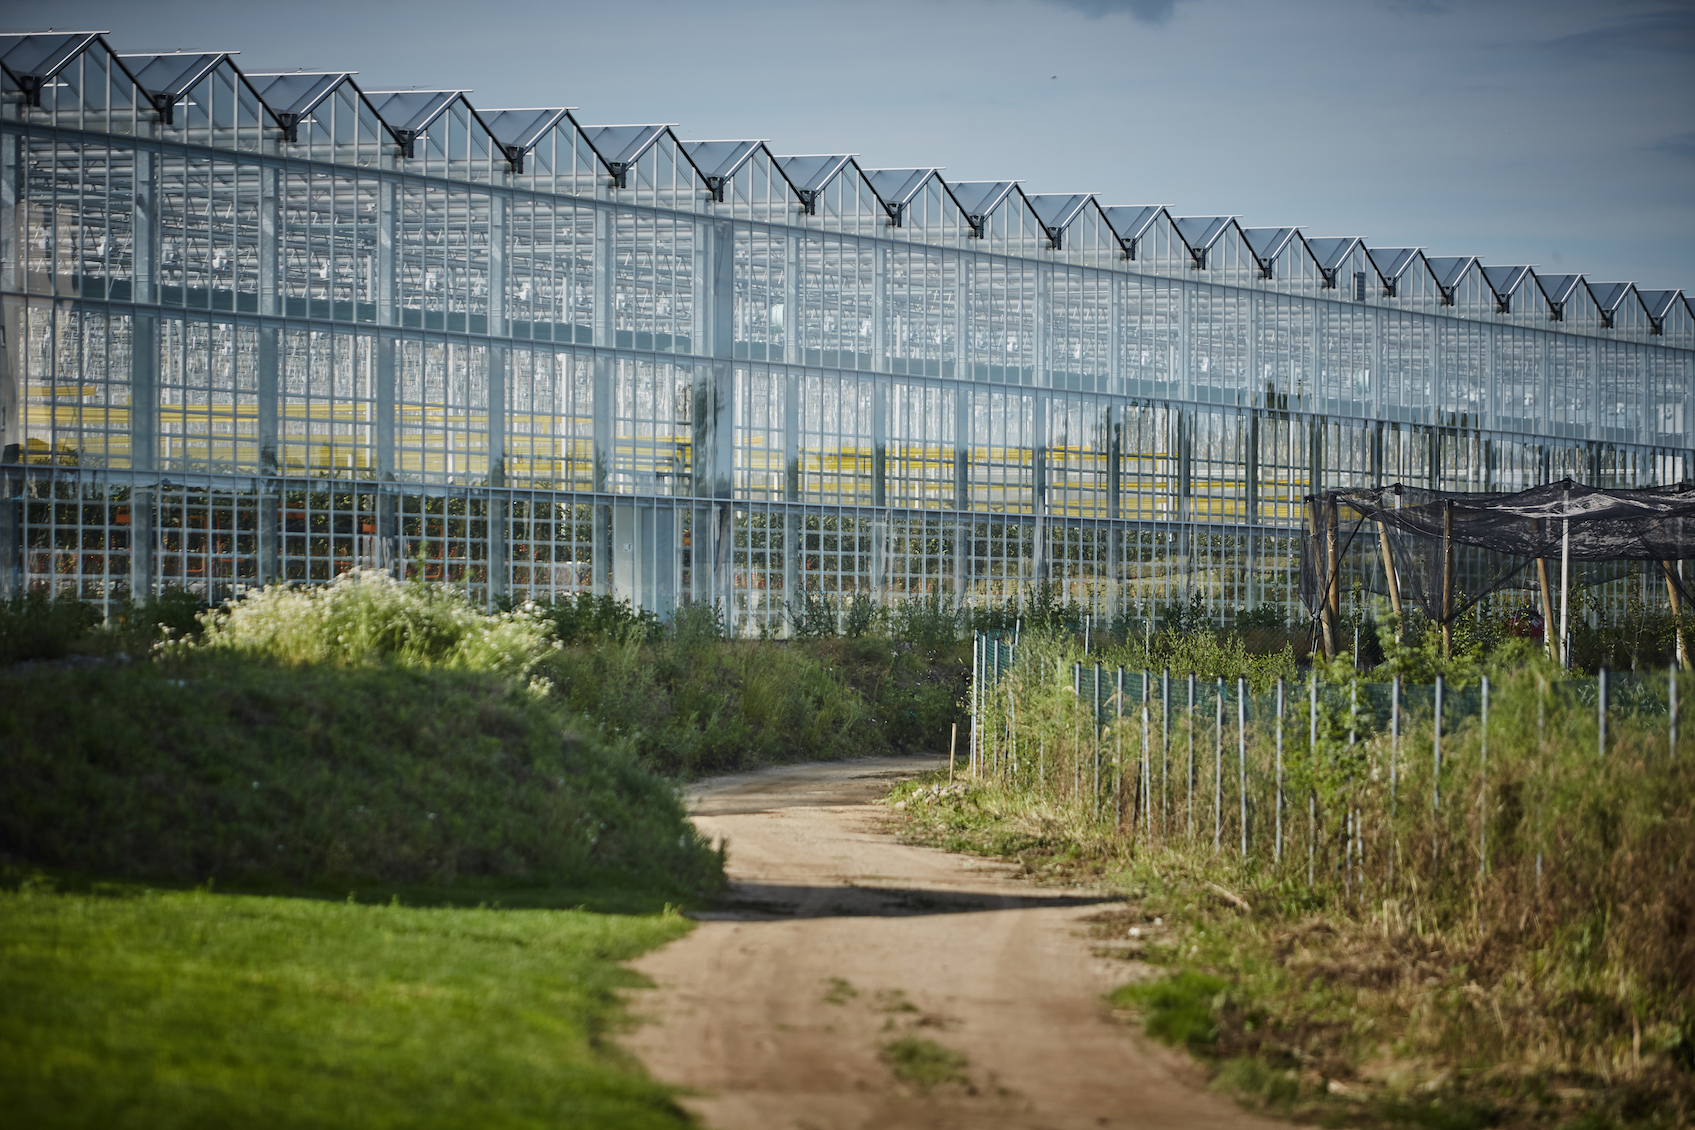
[(1165, 753), (1436, 779), (1218, 772), (1118, 756), (1601, 710), (976, 693), (1242, 755), (1312, 761), (1483, 788), (1095, 725), (1277, 843), (1189, 795), (1394, 761), (1671, 714)]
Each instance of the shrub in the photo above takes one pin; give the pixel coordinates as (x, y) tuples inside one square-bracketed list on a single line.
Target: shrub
[(365, 617), (586, 617), (35, 626)]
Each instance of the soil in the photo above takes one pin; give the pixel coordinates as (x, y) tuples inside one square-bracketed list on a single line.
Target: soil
[(836, 941)]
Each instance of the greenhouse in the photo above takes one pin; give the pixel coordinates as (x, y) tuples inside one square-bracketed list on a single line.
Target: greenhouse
[(278, 326)]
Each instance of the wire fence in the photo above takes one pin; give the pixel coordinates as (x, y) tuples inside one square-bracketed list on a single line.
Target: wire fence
[(1359, 784)]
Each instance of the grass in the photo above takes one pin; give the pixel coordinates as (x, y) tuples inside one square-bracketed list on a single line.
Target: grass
[(1179, 1009), (132, 1007), (925, 1063)]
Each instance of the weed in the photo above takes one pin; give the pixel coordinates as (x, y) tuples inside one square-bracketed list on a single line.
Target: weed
[(841, 991), (1177, 1009), (924, 1063)]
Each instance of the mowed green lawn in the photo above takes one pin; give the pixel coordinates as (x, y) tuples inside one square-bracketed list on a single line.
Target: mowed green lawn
[(162, 1009)]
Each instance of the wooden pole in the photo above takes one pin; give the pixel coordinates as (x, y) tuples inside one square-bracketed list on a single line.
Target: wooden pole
[(1547, 610), (953, 740), (1447, 578), (1321, 572), (1677, 612), (1331, 554), (1389, 574)]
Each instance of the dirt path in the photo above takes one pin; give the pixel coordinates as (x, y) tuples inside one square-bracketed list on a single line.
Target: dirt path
[(836, 940)]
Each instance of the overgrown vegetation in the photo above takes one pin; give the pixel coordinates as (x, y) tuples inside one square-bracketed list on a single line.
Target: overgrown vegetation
[(1509, 934)]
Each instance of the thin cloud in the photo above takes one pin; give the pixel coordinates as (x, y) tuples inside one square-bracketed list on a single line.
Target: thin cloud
[(1667, 30), (1143, 11), (1681, 146)]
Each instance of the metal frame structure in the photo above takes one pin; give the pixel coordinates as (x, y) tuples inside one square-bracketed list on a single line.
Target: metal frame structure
[(276, 326)]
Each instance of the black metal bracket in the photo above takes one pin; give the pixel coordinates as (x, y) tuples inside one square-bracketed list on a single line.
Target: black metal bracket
[(1329, 278), (408, 141), (514, 157), (31, 86), (715, 185), (808, 200), (1556, 311), (1130, 248), (620, 171), (978, 222), (1056, 237), (290, 124), (1199, 255), (164, 105)]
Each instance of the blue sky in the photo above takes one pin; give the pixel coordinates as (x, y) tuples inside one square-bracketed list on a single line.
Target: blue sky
[(1555, 133)]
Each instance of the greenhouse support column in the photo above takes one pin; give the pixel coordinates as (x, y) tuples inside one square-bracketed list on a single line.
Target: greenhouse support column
[(11, 581), (144, 414), (388, 238), (1447, 579), (1677, 614), (270, 241)]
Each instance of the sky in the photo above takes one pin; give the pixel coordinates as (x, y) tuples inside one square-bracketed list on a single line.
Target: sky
[(1549, 132)]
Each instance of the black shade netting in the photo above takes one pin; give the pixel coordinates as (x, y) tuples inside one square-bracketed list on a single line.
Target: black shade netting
[(1494, 541)]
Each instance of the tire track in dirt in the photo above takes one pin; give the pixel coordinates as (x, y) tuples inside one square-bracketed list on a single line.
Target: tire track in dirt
[(835, 940)]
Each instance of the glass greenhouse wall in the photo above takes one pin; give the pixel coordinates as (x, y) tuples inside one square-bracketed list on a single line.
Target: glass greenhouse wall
[(276, 326)]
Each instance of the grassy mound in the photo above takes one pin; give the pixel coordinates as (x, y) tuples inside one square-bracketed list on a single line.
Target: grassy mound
[(234, 768)]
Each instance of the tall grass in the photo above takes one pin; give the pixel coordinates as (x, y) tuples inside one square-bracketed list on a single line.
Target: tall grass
[(1558, 877)]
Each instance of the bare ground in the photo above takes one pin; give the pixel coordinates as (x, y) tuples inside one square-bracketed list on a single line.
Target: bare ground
[(835, 941)]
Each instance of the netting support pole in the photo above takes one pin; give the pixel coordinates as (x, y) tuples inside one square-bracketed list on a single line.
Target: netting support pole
[(1389, 575), (1547, 609), (1447, 579), (1677, 614), (1321, 574), (1333, 586)]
